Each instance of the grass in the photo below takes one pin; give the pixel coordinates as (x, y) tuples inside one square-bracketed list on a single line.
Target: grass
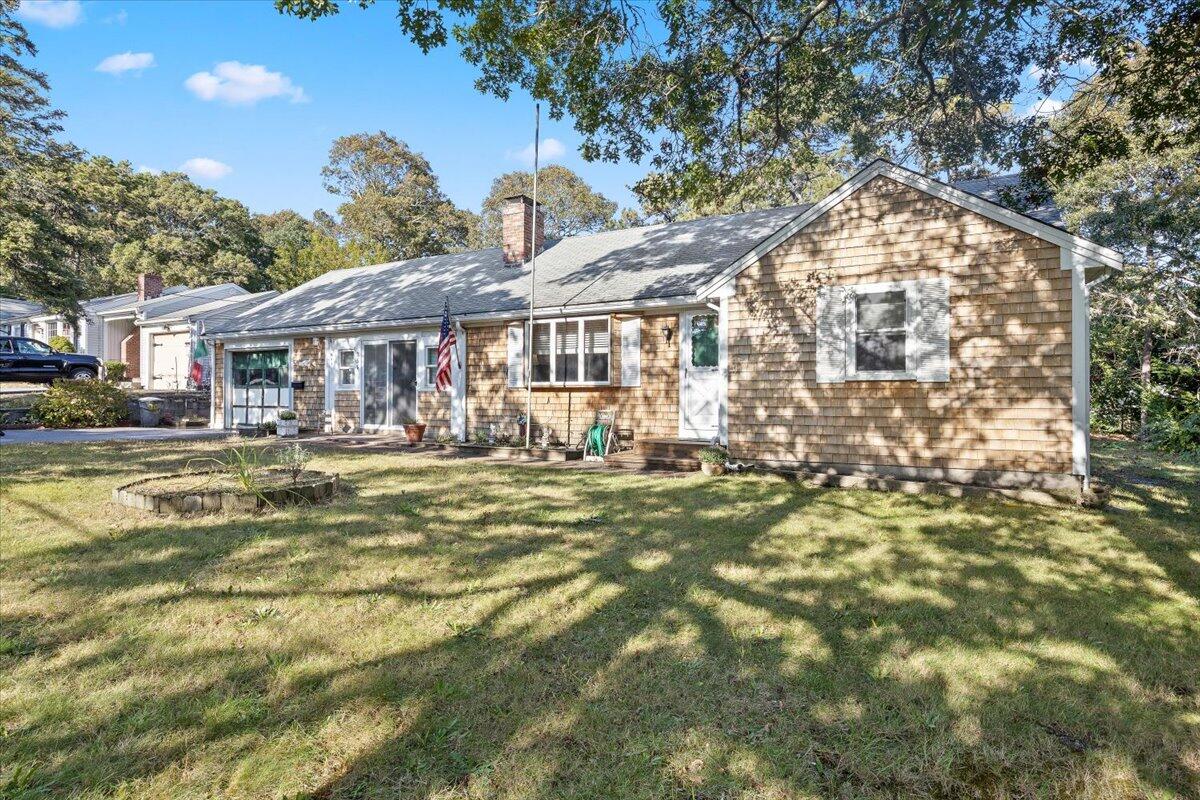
[(459, 629)]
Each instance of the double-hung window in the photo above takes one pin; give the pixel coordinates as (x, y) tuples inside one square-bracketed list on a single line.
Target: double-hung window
[(880, 332), (884, 331), (570, 351), (347, 369), (431, 365)]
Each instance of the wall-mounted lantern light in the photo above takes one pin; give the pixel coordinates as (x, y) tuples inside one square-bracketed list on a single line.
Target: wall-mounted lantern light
[(667, 333)]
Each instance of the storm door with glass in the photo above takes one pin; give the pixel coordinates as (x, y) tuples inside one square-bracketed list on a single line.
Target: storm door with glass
[(389, 383)]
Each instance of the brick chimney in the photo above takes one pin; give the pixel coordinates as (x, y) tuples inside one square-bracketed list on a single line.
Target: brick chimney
[(150, 285), (520, 237)]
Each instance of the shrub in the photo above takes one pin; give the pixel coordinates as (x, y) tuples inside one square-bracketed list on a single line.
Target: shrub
[(114, 371), (712, 455), (293, 459), (287, 414), (61, 344), (81, 404), (1173, 433)]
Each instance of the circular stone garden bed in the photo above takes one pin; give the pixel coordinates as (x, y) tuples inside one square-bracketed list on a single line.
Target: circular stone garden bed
[(209, 492)]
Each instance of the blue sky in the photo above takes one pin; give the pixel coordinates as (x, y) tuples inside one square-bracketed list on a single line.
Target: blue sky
[(237, 85)]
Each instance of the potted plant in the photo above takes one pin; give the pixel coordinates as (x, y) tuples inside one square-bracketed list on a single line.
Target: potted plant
[(415, 431), (288, 425), (712, 460)]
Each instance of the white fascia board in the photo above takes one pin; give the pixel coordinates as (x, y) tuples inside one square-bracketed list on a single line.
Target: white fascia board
[(1092, 254), (655, 303)]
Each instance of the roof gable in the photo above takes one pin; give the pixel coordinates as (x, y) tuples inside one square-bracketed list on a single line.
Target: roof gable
[(1089, 253)]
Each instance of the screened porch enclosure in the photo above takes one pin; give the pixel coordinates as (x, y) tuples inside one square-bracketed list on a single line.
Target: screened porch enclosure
[(261, 386)]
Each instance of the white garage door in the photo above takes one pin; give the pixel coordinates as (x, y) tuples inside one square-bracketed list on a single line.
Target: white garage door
[(170, 360)]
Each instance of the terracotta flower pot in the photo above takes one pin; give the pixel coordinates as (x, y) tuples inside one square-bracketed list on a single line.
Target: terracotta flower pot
[(712, 469), (415, 432)]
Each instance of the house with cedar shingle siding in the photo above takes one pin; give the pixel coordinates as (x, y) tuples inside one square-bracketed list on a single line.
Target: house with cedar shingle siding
[(900, 327)]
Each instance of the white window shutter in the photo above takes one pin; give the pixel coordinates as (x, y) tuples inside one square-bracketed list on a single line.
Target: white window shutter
[(929, 330), (516, 355), (631, 352), (831, 334)]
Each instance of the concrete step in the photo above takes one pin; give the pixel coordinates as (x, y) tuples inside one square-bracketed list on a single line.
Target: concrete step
[(667, 448), (640, 461)]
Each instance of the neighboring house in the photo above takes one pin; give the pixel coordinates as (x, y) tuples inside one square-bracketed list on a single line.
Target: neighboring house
[(16, 316), (149, 329), (900, 327)]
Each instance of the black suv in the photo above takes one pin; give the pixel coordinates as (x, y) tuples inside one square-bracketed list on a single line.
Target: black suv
[(32, 361)]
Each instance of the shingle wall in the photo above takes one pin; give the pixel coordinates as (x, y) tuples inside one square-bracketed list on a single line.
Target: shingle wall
[(1007, 406)]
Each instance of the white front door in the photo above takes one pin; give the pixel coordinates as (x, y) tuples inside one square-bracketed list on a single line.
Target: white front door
[(699, 375)]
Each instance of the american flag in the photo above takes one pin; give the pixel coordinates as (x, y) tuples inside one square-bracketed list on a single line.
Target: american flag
[(446, 344)]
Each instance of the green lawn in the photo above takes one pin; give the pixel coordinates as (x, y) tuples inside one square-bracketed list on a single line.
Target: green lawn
[(459, 629)]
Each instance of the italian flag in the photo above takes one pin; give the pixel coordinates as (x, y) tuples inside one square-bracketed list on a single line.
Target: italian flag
[(199, 353)]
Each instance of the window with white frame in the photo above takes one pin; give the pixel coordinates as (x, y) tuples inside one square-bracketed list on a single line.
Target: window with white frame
[(571, 351), (347, 366), (884, 331), (880, 331), (431, 365)]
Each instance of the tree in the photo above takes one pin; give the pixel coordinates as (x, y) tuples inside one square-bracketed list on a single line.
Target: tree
[(322, 254), (39, 214), (186, 233), (570, 206), (284, 228), (285, 234), (1146, 204), (393, 198), (717, 90)]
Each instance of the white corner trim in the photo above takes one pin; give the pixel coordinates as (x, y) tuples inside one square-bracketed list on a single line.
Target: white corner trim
[(723, 366), (1081, 395), (1089, 252), (458, 376)]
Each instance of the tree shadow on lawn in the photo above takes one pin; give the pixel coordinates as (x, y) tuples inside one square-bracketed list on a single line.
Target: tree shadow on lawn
[(550, 634)]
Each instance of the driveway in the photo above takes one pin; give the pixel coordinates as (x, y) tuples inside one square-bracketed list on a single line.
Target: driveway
[(77, 435)]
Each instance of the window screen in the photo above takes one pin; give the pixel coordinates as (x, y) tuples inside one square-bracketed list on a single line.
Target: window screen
[(541, 353), (595, 350), (880, 332), (704, 340)]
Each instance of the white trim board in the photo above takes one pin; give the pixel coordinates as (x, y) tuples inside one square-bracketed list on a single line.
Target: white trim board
[(666, 305), (1081, 390), (1089, 253)]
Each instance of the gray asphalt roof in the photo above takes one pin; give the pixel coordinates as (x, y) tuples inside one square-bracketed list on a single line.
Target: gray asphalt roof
[(11, 308), (178, 305), (1006, 190), (656, 261), (200, 307), (126, 302)]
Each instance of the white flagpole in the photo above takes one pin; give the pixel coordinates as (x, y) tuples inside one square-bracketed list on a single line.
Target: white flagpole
[(537, 123)]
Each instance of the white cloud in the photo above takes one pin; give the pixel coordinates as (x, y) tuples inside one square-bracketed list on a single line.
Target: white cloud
[(207, 168), (119, 18), (243, 84), (126, 62), (150, 170), (55, 13), (551, 150), (1046, 107)]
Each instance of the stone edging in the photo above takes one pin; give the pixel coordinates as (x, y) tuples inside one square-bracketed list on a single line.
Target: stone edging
[(310, 491)]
